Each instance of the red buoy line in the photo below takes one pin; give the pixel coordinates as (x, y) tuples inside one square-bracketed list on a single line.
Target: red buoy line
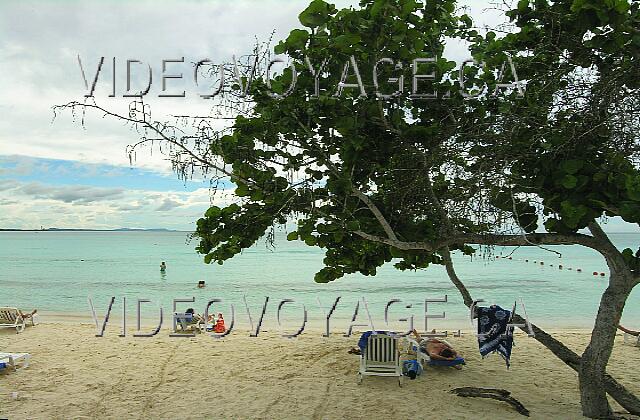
[(560, 266)]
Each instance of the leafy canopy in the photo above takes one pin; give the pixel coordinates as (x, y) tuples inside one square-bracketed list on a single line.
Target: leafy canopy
[(348, 164)]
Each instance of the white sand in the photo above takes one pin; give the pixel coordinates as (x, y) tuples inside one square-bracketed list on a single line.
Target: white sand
[(76, 375)]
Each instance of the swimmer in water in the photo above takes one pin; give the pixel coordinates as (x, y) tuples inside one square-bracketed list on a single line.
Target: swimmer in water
[(201, 284), (163, 266)]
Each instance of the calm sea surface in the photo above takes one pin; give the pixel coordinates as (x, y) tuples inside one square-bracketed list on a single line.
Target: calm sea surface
[(57, 271)]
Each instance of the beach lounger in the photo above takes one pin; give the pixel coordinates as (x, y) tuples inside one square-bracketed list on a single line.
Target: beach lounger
[(13, 360), (630, 336), (11, 318), (632, 339), (425, 359), (381, 357)]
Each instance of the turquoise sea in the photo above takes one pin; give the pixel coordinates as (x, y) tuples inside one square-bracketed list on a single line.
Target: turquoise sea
[(56, 272)]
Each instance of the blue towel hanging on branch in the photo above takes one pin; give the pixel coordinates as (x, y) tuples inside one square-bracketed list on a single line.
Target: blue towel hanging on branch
[(493, 333)]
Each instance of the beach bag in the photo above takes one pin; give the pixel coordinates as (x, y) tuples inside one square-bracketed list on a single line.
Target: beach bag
[(411, 369)]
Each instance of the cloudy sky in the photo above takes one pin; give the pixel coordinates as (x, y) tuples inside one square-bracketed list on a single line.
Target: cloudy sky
[(62, 173)]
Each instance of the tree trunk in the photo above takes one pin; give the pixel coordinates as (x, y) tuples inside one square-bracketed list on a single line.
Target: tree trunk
[(617, 391), (596, 356)]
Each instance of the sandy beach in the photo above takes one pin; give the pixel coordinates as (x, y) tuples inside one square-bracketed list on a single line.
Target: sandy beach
[(74, 374)]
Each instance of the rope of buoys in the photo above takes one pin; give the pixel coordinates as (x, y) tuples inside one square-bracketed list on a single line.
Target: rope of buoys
[(560, 266)]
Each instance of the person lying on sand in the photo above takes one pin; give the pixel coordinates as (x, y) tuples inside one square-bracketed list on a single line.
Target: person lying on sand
[(436, 349)]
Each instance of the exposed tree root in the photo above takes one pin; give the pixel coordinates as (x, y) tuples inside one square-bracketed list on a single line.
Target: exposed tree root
[(496, 394)]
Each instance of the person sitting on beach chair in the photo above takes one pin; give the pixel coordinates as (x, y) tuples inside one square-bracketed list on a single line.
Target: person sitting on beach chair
[(189, 319), (29, 316)]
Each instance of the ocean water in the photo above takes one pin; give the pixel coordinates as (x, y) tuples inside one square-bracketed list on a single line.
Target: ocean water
[(57, 271)]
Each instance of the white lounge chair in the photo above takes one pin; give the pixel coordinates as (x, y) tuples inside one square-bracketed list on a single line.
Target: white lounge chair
[(630, 336), (11, 318), (13, 360), (632, 339), (381, 358)]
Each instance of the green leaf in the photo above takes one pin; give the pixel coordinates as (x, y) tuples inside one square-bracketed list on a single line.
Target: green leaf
[(242, 190), (572, 166), (212, 212), (297, 39), (346, 40), (569, 181), (316, 14), (353, 225), (632, 185), (281, 48), (630, 212), (523, 5)]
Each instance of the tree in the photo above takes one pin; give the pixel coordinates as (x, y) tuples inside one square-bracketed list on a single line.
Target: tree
[(386, 151)]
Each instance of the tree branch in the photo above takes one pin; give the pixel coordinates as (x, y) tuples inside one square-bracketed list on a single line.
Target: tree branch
[(617, 391), (534, 239), (608, 249), (453, 276), (376, 212)]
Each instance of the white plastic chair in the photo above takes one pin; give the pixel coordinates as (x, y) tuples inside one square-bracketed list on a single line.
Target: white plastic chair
[(421, 356), (12, 360), (381, 358)]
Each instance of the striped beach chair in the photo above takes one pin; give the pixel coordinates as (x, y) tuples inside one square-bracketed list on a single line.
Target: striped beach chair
[(381, 357), (11, 318)]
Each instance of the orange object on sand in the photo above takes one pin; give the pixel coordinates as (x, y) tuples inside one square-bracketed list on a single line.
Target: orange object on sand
[(219, 327)]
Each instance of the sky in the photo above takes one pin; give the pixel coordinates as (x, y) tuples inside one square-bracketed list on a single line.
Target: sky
[(73, 171)]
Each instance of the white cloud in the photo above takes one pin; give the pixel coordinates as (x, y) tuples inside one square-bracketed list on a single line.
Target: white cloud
[(29, 205), (40, 42)]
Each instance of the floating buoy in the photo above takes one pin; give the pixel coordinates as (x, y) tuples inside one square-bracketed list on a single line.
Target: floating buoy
[(550, 265), (579, 270), (526, 260), (602, 274), (595, 273)]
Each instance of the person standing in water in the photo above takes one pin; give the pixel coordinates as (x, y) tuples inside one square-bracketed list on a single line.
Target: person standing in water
[(163, 267)]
